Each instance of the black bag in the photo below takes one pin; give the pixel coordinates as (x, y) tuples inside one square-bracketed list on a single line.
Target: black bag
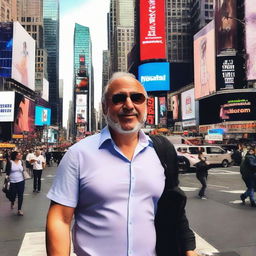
[(6, 188)]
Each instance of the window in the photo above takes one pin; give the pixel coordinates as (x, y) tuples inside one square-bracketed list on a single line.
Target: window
[(214, 150)]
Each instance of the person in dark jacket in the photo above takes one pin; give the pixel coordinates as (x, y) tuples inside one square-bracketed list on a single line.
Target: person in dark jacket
[(248, 172), (202, 173)]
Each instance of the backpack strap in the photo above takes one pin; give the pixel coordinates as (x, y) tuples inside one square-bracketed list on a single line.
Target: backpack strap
[(168, 158)]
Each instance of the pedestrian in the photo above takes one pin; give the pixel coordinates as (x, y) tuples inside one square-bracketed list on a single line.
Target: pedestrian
[(29, 157), (202, 173), (248, 172), (38, 162), (111, 183), (14, 170)]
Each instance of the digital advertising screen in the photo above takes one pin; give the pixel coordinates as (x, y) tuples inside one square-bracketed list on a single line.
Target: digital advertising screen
[(229, 72), (42, 116), (24, 114), (155, 76), (188, 104), (82, 84), (45, 92), (162, 111), (250, 35), (151, 111), (226, 24), (228, 107), (6, 106), (23, 57), (81, 109), (152, 30), (175, 102), (204, 61), (6, 44)]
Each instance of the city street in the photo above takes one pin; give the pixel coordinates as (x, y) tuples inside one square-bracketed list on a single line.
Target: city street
[(222, 223)]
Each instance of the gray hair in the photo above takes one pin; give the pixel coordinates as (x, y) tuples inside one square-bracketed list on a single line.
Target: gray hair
[(115, 76)]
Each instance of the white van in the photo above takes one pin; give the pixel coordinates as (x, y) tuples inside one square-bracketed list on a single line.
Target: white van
[(214, 154)]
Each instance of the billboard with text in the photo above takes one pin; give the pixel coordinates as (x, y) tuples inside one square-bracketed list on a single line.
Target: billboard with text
[(6, 106), (42, 116), (152, 30), (81, 109), (155, 76), (188, 104)]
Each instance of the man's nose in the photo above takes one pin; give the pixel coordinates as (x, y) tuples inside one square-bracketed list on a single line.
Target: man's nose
[(128, 104)]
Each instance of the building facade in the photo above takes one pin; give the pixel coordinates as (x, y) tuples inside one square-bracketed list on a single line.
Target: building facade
[(51, 44)]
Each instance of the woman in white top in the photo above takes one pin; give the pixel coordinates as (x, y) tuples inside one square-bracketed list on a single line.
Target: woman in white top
[(14, 170)]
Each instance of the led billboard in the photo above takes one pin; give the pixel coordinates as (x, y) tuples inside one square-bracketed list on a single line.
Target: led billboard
[(162, 111), (188, 104), (204, 61), (45, 92), (23, 57), (155, 76), (226, 25), (6, 106), (81, 109), (174, 103), (24, 114), (151, 111), (250, 28), (42, 116), (82, 84), (152, 30), (229, 71), (228, 107), (6, 43)]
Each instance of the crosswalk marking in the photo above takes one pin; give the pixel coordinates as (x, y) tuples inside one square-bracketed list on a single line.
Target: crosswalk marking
[(33, 244), (188, 189), (233, 191)]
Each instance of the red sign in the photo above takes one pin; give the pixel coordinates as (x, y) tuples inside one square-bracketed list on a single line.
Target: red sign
[(152, 29), (151, 111)]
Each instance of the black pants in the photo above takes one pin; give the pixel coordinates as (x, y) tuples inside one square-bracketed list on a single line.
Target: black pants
[(17, 189), (203, 179), (37, 179)]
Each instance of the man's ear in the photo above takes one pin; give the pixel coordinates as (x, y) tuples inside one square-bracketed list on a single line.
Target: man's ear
[(104, 108)]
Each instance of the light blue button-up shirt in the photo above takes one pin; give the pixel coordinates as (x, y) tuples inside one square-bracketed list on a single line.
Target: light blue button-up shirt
[(115, 198)]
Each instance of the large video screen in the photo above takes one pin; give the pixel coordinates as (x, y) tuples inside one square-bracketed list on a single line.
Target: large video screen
[(42, 116), (228, 107), (155, 76), (6, 44), (204, 61), (24, 117), (82, 84), (23, 57), (45, 92), (250, 28), (226, 24), (152, 30), (150, 111), (162, 111), (6, 106), (188, 105), (174, 106)]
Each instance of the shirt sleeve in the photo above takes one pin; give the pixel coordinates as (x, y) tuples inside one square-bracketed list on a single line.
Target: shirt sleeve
[(65, 187)]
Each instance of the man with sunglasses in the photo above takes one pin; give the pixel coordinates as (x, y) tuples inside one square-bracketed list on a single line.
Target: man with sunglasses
[(111, 183)]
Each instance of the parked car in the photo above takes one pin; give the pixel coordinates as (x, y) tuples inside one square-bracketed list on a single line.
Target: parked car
[(215, 155)]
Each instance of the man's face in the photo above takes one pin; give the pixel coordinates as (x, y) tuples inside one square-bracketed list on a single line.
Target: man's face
[(125, 106)]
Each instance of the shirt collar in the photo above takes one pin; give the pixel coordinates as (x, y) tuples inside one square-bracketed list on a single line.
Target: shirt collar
[(105, 136)]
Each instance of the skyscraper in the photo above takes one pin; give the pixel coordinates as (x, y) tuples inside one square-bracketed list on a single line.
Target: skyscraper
[(121, 32), (51, 43), (83, 82)]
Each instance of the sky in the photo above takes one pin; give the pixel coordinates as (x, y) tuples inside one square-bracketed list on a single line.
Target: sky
[(90, 13)]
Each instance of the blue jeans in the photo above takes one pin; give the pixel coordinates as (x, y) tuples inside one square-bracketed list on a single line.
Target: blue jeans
[(250, 184), (17, 189)]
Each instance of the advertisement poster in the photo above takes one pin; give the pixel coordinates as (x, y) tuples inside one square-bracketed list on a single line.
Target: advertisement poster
[(82, 84), (45, 92), (24, 120), (151, 111), (176, 107), (81, 109), (152, 30), (229, 71), (155, 76), (204, 61), (226, 25), (23, 57), (6, 44), (250, 28), (6, 106), (188, 104), (162, 111), (228, 107), (42, 116)]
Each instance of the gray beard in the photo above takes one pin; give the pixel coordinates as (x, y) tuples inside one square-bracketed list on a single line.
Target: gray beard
[(117, 127)]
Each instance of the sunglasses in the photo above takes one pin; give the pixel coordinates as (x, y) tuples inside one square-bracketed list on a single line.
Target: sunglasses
[(136, 98)]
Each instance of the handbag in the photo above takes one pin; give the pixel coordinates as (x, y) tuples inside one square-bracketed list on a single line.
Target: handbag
[(26, 175), (6, 188)]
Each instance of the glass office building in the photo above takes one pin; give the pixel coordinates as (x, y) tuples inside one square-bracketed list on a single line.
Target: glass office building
[(51, 43)]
